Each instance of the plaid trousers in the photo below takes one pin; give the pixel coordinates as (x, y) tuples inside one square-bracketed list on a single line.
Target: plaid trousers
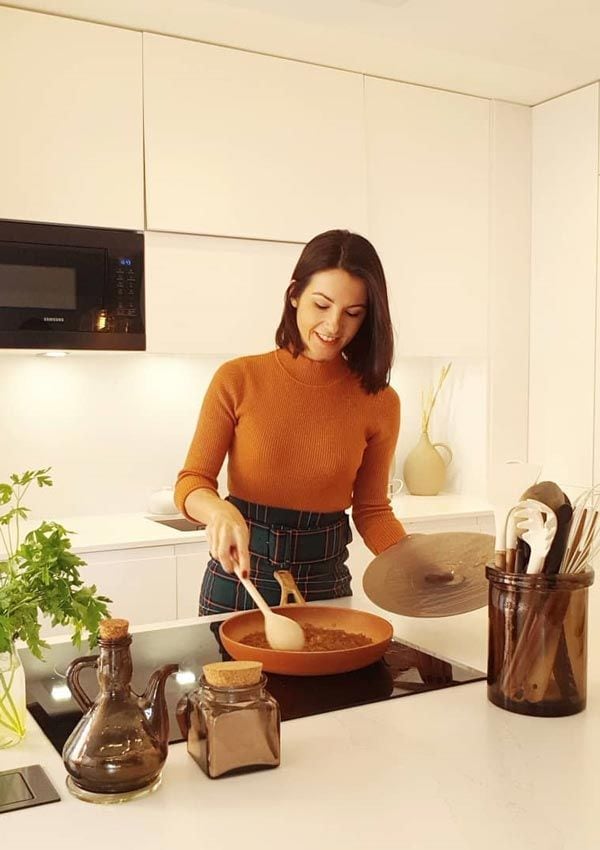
[(312, 546)]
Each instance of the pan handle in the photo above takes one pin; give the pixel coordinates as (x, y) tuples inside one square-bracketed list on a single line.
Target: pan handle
[(288, 587)]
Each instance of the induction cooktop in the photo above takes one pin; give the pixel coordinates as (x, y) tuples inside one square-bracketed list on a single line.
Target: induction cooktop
[(404, 670)]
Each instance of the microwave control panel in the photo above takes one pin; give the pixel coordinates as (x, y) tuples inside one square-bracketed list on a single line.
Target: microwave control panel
[(126, 279)]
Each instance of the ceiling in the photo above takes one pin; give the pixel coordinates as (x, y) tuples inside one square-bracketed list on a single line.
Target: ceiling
[(524, 51)]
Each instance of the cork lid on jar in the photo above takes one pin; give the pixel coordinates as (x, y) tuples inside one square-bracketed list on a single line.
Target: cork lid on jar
[(113, 629), (233, 674)]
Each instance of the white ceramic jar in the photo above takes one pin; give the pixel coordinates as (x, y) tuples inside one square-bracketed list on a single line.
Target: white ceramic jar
[(163, 502)]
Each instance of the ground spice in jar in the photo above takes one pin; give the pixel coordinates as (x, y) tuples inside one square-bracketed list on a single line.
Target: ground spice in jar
[(234, 723)]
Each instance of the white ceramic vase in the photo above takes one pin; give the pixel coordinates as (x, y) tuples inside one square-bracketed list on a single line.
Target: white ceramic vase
[(425, 468)]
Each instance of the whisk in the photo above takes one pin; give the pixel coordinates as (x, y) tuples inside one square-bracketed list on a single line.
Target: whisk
[(583, 543)]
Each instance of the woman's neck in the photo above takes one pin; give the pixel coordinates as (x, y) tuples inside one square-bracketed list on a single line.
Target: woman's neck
[(312, 372)]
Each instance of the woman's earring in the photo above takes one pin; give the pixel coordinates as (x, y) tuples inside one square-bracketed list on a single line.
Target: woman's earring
[(293, 302)]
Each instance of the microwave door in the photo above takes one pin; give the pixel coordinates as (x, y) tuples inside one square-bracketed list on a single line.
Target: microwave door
[(48, 288)]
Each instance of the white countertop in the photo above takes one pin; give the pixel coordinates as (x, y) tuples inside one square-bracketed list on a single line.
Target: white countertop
[(125, 531), (447, 505), (434, 771), (117, 531)]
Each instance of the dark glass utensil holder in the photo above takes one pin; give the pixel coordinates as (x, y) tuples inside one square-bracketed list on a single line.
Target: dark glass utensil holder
[(537, 642)]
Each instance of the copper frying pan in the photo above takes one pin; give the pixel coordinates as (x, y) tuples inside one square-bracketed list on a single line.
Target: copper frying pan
[(233, 630)]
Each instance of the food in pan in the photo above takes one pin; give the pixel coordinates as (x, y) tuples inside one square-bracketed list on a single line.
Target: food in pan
[(317, 639)]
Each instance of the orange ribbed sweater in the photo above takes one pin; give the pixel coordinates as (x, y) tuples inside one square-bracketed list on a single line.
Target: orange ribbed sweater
[(300, 434)]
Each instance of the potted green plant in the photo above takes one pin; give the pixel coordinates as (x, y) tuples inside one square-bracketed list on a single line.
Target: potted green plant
[(38, 576)]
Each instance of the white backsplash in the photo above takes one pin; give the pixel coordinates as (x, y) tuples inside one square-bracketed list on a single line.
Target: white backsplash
[(116, 427)]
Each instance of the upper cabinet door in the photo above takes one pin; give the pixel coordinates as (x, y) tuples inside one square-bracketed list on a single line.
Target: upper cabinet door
[(428, 168), (240, 144), (71, 146), (206, 295), (564, 266)]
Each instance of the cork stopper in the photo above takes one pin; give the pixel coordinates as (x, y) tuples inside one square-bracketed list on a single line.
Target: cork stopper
[(113, 629), (233, 674)]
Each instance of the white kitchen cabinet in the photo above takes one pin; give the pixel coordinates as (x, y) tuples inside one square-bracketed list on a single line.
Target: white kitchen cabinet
[(192, 559), (71, 147), (428, 160), (242, 144), (564, 287), (206, 295), (149, 584), (486, 524), (140, 582), (360, 556), (435, 525)]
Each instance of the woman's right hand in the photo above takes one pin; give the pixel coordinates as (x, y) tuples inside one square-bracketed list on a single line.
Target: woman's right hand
[(228, 538), (226, 529)]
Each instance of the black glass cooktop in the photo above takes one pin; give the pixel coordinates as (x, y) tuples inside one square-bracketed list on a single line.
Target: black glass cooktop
[(404, 670)]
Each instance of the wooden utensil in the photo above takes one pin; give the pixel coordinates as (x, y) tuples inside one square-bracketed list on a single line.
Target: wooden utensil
[(528, 673), (281, 632), (547, 492), (521, 556), (551, 495)]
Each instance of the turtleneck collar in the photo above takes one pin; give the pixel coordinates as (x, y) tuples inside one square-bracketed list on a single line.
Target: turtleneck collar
[(316, 373)]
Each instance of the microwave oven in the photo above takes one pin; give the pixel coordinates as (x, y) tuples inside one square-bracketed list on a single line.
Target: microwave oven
[(71, 287)]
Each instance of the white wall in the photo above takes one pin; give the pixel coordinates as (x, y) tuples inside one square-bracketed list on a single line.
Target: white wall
[(116, 427)]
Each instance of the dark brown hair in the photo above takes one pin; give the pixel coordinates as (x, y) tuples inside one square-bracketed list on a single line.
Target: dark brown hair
[(370, 353)]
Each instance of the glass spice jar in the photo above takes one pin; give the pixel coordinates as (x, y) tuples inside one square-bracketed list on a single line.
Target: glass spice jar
[(231, 723)]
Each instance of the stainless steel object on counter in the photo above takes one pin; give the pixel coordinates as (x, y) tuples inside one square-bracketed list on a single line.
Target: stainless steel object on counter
[(180, 523), (23, 787)]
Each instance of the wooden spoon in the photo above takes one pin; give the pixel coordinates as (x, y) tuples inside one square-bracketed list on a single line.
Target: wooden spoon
[(551, 495), (281, 632)]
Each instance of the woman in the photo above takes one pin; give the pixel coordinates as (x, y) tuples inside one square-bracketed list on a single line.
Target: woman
[(310, 430)]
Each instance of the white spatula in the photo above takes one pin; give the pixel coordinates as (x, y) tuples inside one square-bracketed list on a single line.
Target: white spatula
[(505, 484), (526, 520), (537, 532)]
